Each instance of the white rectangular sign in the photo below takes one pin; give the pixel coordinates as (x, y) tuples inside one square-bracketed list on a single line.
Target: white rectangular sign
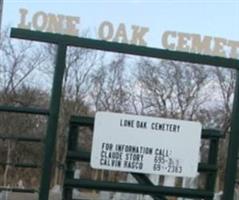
[(142, 144)]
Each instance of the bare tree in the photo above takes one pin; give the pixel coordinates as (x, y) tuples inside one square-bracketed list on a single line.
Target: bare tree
[(19, 61), (225, 80), (170, 89), (18, 64), (110, 92), (111, 88), (22, 125)]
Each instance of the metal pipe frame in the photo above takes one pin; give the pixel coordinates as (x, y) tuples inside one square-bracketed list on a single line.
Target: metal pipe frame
[(63, 41)]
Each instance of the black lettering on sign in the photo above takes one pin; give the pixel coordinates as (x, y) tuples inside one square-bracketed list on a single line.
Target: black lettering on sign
[(111, 155), (140, 124), (146, 150), (165, 127), (119, 147), (127, 123), (134, 157), (156, 167), (133, 165), (107, 146), (162, 152), (110, 163)]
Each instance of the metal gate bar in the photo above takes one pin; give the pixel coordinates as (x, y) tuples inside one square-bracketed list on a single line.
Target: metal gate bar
[(18, 190), (21, 165), (22, 110), (22, 139), (138, 188), (52, 123), (124, 48)]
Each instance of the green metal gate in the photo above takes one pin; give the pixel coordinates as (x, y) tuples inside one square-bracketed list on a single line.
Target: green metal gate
[(62, 41), (145, 186), (29, 111)]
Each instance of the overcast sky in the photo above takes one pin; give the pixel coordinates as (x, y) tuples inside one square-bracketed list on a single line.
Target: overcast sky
[(217, 18)]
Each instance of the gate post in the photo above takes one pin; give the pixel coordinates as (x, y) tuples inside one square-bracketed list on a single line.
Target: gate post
[(231, 166), (51, 133)]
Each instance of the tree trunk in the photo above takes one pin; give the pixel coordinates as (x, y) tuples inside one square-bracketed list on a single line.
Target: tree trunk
[(10, 147)]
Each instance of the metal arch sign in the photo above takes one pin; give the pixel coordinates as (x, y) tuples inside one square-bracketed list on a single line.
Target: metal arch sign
[(133, 143), (135, 34)]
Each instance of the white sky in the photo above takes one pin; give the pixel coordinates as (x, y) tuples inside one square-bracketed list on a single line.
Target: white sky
[(217, 18)]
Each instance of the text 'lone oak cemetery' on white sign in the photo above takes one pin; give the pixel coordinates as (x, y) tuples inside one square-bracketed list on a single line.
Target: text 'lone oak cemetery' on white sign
[(149, 145)]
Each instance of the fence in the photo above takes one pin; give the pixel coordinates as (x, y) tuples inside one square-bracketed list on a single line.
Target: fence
[(145, 186), (62, 42)]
